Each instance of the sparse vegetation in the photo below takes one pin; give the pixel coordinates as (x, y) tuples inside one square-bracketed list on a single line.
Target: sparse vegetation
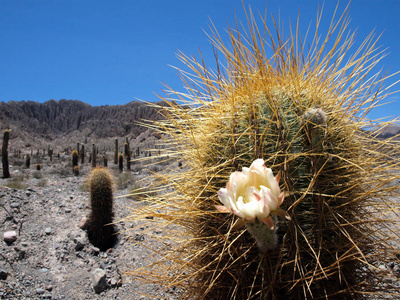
[(16, 184)]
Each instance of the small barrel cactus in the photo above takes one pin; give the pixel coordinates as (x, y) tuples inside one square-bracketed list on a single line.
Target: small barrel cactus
[(304, 115), (74, 157), (121, 162), (101, 232)]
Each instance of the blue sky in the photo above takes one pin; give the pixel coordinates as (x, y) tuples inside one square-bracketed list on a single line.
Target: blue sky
[(113, 52)]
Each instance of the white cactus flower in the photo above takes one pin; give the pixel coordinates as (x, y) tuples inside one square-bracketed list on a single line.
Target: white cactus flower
[(253, 194)]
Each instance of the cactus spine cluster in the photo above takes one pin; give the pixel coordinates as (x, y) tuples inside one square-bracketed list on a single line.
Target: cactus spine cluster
[(4, 154), (101, 232), (304, 114)]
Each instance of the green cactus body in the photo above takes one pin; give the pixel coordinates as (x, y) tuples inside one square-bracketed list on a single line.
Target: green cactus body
[(4, 154), (101, 232)]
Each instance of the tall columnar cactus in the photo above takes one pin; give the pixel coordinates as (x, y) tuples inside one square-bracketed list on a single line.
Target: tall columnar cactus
[(4, 154), (101, 232), (50, 153), (28, 161), (94, 155), (74, 157), (82, 153), (128, 156), (304, 113), (116, 152), (121, 162)]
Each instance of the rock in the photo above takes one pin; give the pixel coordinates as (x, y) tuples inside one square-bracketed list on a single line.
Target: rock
[(15, 205), (99, 280), (39, 291), (3, 275), (49, 288), (83, 223), (79, 243), (10, 236), (47, 230), (94, 250)]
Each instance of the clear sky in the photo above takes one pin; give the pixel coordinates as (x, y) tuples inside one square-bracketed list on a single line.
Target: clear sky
[(113, 52)]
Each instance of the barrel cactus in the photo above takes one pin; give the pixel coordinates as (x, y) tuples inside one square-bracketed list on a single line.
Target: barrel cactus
[(101, 231), (303, 115)]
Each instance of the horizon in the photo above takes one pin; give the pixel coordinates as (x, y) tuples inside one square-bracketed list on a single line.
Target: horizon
[(113, 53)]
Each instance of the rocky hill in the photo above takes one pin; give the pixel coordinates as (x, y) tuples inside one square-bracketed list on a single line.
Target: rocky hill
[(63, 123), (36, 124)]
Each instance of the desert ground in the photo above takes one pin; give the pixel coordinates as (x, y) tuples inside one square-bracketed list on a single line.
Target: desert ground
[(51, 257)]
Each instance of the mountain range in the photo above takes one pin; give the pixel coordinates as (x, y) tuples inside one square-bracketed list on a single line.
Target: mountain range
[(36, 124), (66, 122)]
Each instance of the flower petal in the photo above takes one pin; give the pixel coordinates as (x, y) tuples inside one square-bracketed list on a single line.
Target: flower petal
[(269, 222), (222, 209)]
